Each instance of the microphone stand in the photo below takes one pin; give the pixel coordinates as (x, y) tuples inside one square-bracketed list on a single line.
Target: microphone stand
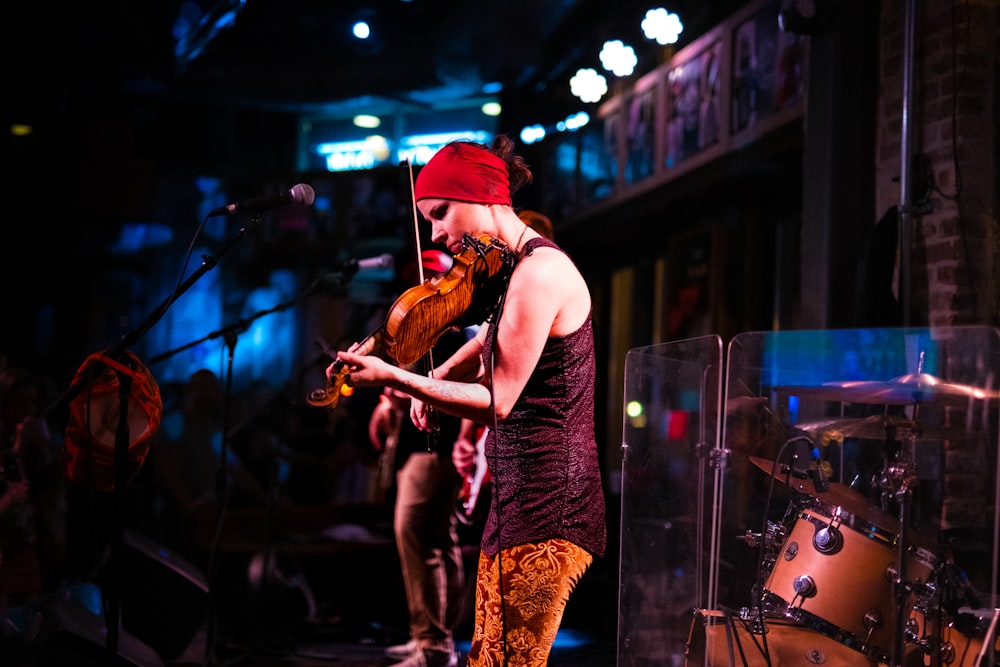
[(230, 334), (271, 492), (901, 477), (113, 602), (222, 491)]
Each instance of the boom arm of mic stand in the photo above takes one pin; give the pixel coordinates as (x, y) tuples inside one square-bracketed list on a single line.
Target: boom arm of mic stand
[(133, 336)]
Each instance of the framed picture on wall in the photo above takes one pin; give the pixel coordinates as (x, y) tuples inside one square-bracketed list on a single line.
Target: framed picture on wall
[(694, 120)]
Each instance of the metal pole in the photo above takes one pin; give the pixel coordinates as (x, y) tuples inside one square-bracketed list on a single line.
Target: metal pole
[(906, 211)]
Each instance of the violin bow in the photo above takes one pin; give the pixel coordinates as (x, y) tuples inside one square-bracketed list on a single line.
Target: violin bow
[(420, 258), (416, 222), (416, 244)]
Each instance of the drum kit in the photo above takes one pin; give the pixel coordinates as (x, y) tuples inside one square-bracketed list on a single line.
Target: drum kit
[(842, 581)]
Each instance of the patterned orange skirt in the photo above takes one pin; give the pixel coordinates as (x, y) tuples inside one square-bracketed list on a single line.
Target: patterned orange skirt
[(518, 613)]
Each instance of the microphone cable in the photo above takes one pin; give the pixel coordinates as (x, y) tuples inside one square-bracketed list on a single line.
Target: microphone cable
[(495, 500)]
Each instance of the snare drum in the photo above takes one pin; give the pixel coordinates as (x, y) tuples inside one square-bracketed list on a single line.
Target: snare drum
[(836, 575), (720, 640)]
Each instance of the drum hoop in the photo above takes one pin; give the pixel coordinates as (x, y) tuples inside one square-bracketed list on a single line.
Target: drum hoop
[(776, 605), (889, 539), (858, 524)]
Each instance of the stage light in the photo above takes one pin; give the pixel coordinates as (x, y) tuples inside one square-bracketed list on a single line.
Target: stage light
[(588, 85), (361, 30), (532, 134), (491, 108), (662, 26), (618, 58), (367, 121), (577, 120)]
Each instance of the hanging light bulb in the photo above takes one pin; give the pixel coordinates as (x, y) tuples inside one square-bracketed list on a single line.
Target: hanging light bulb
[(588, 85), (618, 58), (662, 26)]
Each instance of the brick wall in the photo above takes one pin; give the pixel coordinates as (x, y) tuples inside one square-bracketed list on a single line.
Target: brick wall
[(955, 242), (954, 260)]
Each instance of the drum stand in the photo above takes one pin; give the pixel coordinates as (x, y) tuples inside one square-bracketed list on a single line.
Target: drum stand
[(900, 478)]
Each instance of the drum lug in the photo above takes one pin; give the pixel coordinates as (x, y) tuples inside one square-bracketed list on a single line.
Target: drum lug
[(804, 586), (828, 540), (873, 620)]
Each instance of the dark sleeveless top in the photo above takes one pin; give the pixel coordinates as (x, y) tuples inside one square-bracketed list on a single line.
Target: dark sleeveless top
[(543, 456)]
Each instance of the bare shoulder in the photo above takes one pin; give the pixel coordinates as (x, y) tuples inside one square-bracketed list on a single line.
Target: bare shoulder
[(547, 258), (545, 266), (551, 273)]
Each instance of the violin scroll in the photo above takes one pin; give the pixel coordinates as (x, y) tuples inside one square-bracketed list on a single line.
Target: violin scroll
[(329, 396)]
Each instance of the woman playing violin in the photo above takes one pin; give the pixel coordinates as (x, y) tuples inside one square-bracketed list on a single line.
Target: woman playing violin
[(529, 375)]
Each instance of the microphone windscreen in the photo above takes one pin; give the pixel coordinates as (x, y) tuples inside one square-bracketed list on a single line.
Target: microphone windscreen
[(303, 195)]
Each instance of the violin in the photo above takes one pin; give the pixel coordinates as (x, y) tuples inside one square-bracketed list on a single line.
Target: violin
[(467, 294)]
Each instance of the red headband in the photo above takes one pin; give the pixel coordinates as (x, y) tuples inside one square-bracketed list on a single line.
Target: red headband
[(464, 172)]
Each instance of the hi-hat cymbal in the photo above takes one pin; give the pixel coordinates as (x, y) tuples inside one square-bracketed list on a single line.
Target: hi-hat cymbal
[(836, 495), (903, 390), (875, 427)]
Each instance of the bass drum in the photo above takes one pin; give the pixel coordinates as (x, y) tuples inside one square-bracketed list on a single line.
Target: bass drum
[(718, 639)]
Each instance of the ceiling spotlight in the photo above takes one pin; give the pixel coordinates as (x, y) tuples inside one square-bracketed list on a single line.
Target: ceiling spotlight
[(361, 30), (366, 36)]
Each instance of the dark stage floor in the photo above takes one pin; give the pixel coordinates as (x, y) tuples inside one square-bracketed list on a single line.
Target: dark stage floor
[(306, 619), (333, 599), (73, 646), (573, 648)]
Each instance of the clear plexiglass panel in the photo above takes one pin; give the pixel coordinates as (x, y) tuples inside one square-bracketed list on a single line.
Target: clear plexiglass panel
[(840, 509), (670, 438)]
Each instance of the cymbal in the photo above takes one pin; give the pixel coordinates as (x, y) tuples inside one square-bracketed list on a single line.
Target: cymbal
[(836, 495), (875, 427), (903, 390)]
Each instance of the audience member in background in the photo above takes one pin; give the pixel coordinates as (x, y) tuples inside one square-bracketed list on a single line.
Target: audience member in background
[(32, 491), (188, 465)]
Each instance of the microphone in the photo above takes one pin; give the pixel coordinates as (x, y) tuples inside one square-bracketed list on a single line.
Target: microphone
[(298, 195), (820, 481), (807, 463), (343, 273), (384, 261)]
